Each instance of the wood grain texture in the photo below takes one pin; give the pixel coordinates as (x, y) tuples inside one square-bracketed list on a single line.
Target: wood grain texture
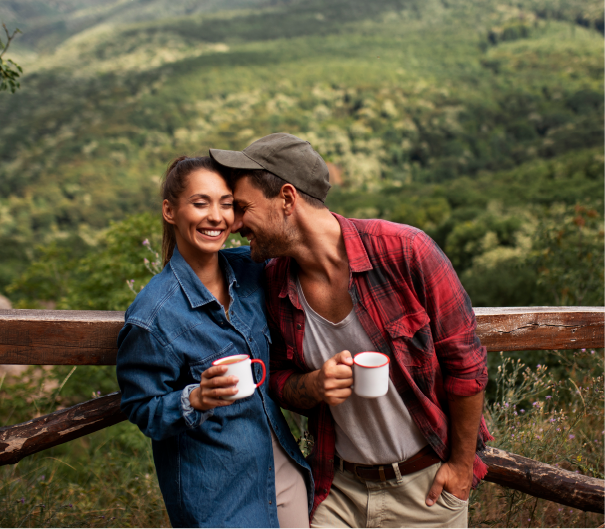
[(21, 440), (531, 328), (544, 481), (65, 337), (59, 337)]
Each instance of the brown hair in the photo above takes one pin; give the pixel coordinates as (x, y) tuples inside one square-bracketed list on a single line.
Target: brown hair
[(174, 183), (270, 184)]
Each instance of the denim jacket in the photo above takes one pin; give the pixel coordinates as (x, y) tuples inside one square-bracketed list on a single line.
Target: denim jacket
[(214, 468)]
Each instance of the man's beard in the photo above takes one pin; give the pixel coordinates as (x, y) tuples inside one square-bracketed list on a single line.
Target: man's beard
[(272, 244)]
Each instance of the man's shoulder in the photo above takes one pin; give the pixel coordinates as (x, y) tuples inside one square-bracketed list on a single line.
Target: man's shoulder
[(385, 228)]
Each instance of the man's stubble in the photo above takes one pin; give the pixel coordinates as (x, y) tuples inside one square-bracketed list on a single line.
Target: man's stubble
[(275, 241)]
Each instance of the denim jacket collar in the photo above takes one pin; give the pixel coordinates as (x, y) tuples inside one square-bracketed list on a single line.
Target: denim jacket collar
[(197, 294)]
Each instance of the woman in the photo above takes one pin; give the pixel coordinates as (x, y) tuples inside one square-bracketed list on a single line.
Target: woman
[(219, 462)]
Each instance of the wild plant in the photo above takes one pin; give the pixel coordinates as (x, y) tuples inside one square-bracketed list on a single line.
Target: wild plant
[(553, 415)]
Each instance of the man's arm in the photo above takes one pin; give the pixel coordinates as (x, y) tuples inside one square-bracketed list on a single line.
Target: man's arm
[(456, 475), (462, 359), (330, 384)]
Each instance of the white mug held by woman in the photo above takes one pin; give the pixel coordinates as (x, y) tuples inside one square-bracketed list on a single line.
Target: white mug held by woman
[(240, 366)]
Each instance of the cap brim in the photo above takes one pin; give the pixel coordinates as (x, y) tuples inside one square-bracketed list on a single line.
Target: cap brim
[(234, 159)]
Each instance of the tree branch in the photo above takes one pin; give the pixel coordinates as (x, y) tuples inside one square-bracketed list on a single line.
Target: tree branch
[(9, 38)]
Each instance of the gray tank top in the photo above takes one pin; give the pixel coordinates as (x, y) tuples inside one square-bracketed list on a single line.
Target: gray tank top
[(368, 431)]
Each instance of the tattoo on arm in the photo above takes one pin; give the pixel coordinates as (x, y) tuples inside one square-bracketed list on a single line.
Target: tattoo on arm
[(298, 392)]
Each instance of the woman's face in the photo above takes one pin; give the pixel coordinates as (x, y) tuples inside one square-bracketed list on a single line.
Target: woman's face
[(203, 217)]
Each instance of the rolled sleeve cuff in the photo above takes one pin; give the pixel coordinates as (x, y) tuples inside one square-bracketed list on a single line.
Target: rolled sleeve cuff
[(465, 387), (193, 418)]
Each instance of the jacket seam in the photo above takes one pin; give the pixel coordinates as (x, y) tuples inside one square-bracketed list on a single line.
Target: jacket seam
[(163, 343)]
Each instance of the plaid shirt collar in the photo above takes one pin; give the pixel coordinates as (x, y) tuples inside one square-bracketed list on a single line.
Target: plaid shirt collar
[(356, 254)]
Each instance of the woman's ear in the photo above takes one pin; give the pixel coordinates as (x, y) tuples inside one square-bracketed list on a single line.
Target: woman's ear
[(168, 211)]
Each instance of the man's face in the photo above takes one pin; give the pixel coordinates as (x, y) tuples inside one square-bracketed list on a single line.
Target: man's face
[(261, 221)]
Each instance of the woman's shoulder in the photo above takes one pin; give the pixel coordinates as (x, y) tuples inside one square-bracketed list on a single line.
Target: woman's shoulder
[(247, 272), (152, 297), (240, 260), (240, 253)]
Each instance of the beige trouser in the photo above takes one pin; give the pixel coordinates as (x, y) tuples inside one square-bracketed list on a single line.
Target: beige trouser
[(290, 489), (393, 503)]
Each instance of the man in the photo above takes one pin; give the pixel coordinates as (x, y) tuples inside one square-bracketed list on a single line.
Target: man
[(342, 286)]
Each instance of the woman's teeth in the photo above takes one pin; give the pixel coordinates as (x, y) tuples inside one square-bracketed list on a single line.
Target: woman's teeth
[(211, 233)]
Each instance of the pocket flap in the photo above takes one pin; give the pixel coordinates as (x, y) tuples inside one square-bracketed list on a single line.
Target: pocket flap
[(197, 368), (407, 325)]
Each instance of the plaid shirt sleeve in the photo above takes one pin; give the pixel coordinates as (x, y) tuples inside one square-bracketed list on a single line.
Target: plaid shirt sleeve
[(280, 367), (281, 364), (462, 358)]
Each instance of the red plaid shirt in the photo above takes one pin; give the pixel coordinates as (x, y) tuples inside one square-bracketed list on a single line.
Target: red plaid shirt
[(411, 304)]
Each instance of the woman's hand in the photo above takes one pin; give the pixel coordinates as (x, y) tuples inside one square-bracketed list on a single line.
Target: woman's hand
[(213, 386)]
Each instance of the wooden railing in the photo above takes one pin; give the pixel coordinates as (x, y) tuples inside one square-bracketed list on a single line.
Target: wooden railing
[(40, 337)]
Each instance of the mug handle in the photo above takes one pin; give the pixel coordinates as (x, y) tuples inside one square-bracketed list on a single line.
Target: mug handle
[(256, 360)]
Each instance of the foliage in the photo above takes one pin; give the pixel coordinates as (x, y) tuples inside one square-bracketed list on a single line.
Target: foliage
[(97, 279), (480, 122), (403, 97), (570, 255), (10, 71), (553, 418)]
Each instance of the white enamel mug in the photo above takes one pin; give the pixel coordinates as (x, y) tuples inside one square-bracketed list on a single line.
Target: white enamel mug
[(240, 366), (370, 374)]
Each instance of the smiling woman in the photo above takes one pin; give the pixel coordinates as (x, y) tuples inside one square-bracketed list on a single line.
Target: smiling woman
[(224, 457), (198, 214), (192, 183)]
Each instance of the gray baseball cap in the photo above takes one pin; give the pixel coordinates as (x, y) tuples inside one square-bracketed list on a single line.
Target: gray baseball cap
[(286, 156)]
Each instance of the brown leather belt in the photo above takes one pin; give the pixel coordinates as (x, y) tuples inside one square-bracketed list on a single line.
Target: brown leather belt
[(423, 459)]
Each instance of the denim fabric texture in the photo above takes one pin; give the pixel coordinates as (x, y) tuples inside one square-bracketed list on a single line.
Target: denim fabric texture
[(215, 469)]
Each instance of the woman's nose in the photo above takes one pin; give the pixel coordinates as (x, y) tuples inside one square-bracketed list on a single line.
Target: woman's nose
[(214, 213)]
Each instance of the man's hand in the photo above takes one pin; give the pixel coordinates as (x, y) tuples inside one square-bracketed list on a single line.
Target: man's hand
[(330, 384), (212, 387), (335, 378), (456, 480), (456, 476)]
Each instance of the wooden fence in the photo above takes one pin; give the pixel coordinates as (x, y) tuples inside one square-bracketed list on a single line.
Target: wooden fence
[(41, 337)]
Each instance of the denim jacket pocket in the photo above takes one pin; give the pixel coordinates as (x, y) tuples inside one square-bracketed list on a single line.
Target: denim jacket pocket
[(412, 338), (197, 368)]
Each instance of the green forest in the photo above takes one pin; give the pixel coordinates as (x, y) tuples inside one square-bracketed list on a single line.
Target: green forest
[(478, 121)]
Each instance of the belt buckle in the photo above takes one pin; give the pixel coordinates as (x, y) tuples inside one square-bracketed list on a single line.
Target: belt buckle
[(380, 472), (355, 465)]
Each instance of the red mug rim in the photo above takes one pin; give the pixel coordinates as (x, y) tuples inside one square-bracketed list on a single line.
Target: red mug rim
[(373, 352), (221, 360)]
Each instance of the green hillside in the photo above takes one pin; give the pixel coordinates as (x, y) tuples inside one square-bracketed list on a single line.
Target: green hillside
[(478, 121)]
